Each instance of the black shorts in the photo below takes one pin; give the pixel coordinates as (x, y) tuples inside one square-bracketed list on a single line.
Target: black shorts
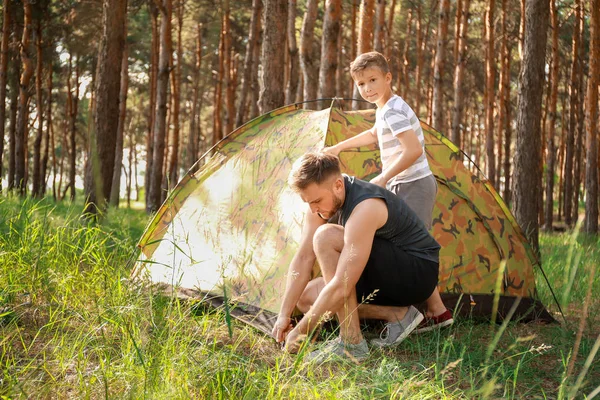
[(393, 277)]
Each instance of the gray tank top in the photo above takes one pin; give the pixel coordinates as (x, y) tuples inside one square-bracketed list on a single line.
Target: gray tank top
[(403, 227)]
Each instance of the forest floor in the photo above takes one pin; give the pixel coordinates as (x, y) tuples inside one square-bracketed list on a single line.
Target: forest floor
[(72, 325)]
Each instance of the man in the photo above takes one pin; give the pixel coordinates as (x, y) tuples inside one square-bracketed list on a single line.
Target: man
[(378, 252)]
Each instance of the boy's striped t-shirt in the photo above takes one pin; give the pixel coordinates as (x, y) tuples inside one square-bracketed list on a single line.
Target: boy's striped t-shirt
[(394, 118)]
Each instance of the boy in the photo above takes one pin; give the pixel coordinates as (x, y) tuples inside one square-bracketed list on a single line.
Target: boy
[(405, 170)]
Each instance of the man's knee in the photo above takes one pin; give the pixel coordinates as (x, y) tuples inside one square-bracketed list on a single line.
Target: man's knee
[(310, 294), (328, 236)]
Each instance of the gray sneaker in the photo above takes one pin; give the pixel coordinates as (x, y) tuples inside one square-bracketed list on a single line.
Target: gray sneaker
[(336, 349), (395, 332)]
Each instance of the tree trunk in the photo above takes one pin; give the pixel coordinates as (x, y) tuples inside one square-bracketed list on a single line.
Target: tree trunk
[(255, 89), (550, 150), (502, 85), (308, 58), (579, 170), (12, 129), (379, 32), (22, 130), (570, 140), (228, 66), (193, 138), (527, 174), (176, 97), (459, 74), (389, 43), (154, 54), (438, 72), (365, 39), (329, 53), (218, 96), (3, 73), (160, 118), (47, 139), (249, 61), (353, 40), (507, 128), (116, 179), (272, 90), (292, 87), (403, 75), (591, 142), (37, 144), (73, 101), (490, 76), (106, 117)]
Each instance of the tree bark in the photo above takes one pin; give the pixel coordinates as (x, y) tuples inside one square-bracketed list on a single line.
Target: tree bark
[(403, 75), (438, 72), (6, 23), (527, 174), (176, 97), (379, 32), (218, 96), (570, 139), (292, 88), (459, 74), (550, 147), (329, 53), (490, 76), (37, 144), (353, 44), (591, 143), (73, 107), (308, 58), (194, 134), (106, 117), (22, 130), (116, 179), (49, 140), (507, 128), (365, 39), (228, 64), (389, 43), (160, 118), (249, 62), (154, 55), (272, 90)]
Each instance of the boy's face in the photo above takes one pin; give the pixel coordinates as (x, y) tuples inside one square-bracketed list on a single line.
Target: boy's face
[(374, 85)]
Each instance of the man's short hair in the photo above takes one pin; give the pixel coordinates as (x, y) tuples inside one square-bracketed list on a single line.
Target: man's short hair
[(369, 60), (314, 167)]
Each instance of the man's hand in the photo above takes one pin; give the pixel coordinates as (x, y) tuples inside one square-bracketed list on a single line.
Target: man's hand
[(294, 340), (282, 327), (333, 150), (379, 180)]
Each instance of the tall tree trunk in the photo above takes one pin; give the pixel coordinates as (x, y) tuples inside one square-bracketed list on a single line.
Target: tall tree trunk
[(459, 74), (308, 58), (550, 151), (578, 169), (294, 73), (502, 84), (22, 130), (272, 89), (116, 179), (591, 142), (176, 97), (570, 140), (194, 136), (561, 158), (37, 144), (438, 84), (419, 64), (160, 118), (329, 53), (154, 55), (528, 178), (379, 30), (102, 155), (3, 73), (48, 136), (389, 43), (490, 76), (12, 127), (249, 61), (403, 75), (507, 128), (228, 66), (255, 89), (73, 112), (365, 38), (353, 44), (218, 95)]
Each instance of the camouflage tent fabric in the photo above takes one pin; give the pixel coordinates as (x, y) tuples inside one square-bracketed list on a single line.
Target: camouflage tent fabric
[(233, 225)]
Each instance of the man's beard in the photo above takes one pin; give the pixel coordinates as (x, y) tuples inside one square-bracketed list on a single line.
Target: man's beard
[(337, 204)]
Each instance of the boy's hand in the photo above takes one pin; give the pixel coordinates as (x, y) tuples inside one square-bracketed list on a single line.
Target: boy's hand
[(331, 150), (282, 327), (379, 180)]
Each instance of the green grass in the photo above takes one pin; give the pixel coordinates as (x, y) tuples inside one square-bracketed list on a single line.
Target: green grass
[(72, 325)]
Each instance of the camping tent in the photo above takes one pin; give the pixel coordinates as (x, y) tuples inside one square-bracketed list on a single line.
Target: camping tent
[(233, 224)]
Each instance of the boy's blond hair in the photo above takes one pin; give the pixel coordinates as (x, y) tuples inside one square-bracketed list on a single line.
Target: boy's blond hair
[(369, 60), (314, 167)]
